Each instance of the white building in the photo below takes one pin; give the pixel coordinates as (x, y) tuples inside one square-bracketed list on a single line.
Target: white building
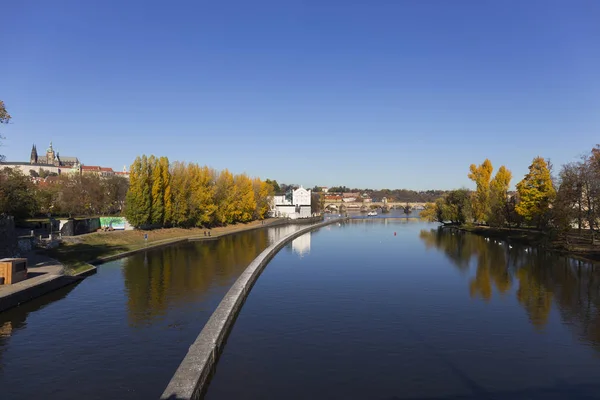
[(292, 205)]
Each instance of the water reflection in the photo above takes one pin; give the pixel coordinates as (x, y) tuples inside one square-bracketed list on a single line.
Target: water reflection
[(159, 280), (15, 319), (301, 245), (542, 279)]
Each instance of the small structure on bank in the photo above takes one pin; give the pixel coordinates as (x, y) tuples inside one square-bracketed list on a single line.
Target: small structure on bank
[(12, 270)]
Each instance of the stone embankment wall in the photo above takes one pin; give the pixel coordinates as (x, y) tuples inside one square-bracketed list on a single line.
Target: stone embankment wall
[(72, 227), (193, 374)]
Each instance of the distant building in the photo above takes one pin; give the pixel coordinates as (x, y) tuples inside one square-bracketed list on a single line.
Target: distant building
[(51, 162), (100, 171), (350, 197), (295, 204), (324, 189)]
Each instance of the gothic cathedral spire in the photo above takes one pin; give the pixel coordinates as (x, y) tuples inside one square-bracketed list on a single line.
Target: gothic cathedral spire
[(34, 156)]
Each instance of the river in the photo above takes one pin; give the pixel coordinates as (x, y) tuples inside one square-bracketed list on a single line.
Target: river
[(121, 333), (379, 308), (397, 309)]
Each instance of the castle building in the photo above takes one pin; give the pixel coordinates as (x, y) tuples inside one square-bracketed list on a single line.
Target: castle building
[(51, 162)]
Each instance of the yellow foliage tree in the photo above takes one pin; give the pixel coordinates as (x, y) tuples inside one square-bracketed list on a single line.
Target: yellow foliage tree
[(499, 196), (244, 202), (167, 196), (481, 175), (224, 198), (263, 192), (536, 193)]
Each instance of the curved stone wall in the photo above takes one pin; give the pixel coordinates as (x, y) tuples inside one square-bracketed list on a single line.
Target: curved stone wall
[(194, 371)]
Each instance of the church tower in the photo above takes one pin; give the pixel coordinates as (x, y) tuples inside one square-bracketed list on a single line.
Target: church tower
[(50, 155), (34, 156)]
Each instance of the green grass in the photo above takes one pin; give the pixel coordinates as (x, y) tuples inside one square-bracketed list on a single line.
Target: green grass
[(77, 268), (78, 250)]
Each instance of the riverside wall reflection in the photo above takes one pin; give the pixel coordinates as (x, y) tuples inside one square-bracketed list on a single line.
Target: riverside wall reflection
[(157, 280), (538, 279)]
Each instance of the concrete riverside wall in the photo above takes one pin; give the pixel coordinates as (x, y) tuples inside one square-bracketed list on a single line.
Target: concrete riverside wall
[(192, 376), (72, 227)]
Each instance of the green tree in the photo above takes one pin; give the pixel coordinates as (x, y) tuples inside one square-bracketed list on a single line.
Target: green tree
[(536, 193), (139, 196), (481, 175), (17, 194)]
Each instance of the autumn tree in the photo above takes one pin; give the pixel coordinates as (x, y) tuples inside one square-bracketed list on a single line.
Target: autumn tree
[(224, 193), (263, 192), (181, 195), (536, 193), (497, 212), (158, 191), (481, 175), (202, 201), (244, 203), (139, 196), (167, 195), (430, 213)]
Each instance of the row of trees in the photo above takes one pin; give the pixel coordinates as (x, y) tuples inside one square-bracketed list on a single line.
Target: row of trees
[(65, 195), (541, 200), (186, 195)]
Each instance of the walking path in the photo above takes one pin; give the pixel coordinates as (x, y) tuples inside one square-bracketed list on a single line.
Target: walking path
[(45, 274)]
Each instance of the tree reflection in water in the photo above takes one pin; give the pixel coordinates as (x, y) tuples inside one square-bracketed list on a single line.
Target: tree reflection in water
[(160, 279), (542, 278)]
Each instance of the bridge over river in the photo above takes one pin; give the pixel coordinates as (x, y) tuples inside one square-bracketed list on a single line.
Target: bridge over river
[(376, 308), (378, 204)]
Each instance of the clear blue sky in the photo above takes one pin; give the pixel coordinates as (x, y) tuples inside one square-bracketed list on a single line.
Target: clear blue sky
[(396, 94)]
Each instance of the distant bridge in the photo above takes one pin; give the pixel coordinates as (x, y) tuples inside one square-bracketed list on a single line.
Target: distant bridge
[(378, 204)]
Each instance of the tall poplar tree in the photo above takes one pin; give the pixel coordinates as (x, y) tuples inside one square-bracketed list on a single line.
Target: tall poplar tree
[(481, 175), (499, 197), (158, 192), (224, 198), (138, 198), (167, 196), (536, 192)]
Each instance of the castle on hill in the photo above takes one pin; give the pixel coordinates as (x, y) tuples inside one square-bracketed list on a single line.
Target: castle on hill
[(51, 158), (53, 162)]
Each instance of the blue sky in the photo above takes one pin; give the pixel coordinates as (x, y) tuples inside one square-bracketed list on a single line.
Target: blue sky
[(396, 94)]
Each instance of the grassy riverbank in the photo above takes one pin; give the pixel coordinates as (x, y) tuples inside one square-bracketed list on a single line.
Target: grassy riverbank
[(75, 252), (575, 244)]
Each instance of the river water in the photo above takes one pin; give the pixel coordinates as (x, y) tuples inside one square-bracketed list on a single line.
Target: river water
[(121, 333), (368, 309), (397, 309)]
